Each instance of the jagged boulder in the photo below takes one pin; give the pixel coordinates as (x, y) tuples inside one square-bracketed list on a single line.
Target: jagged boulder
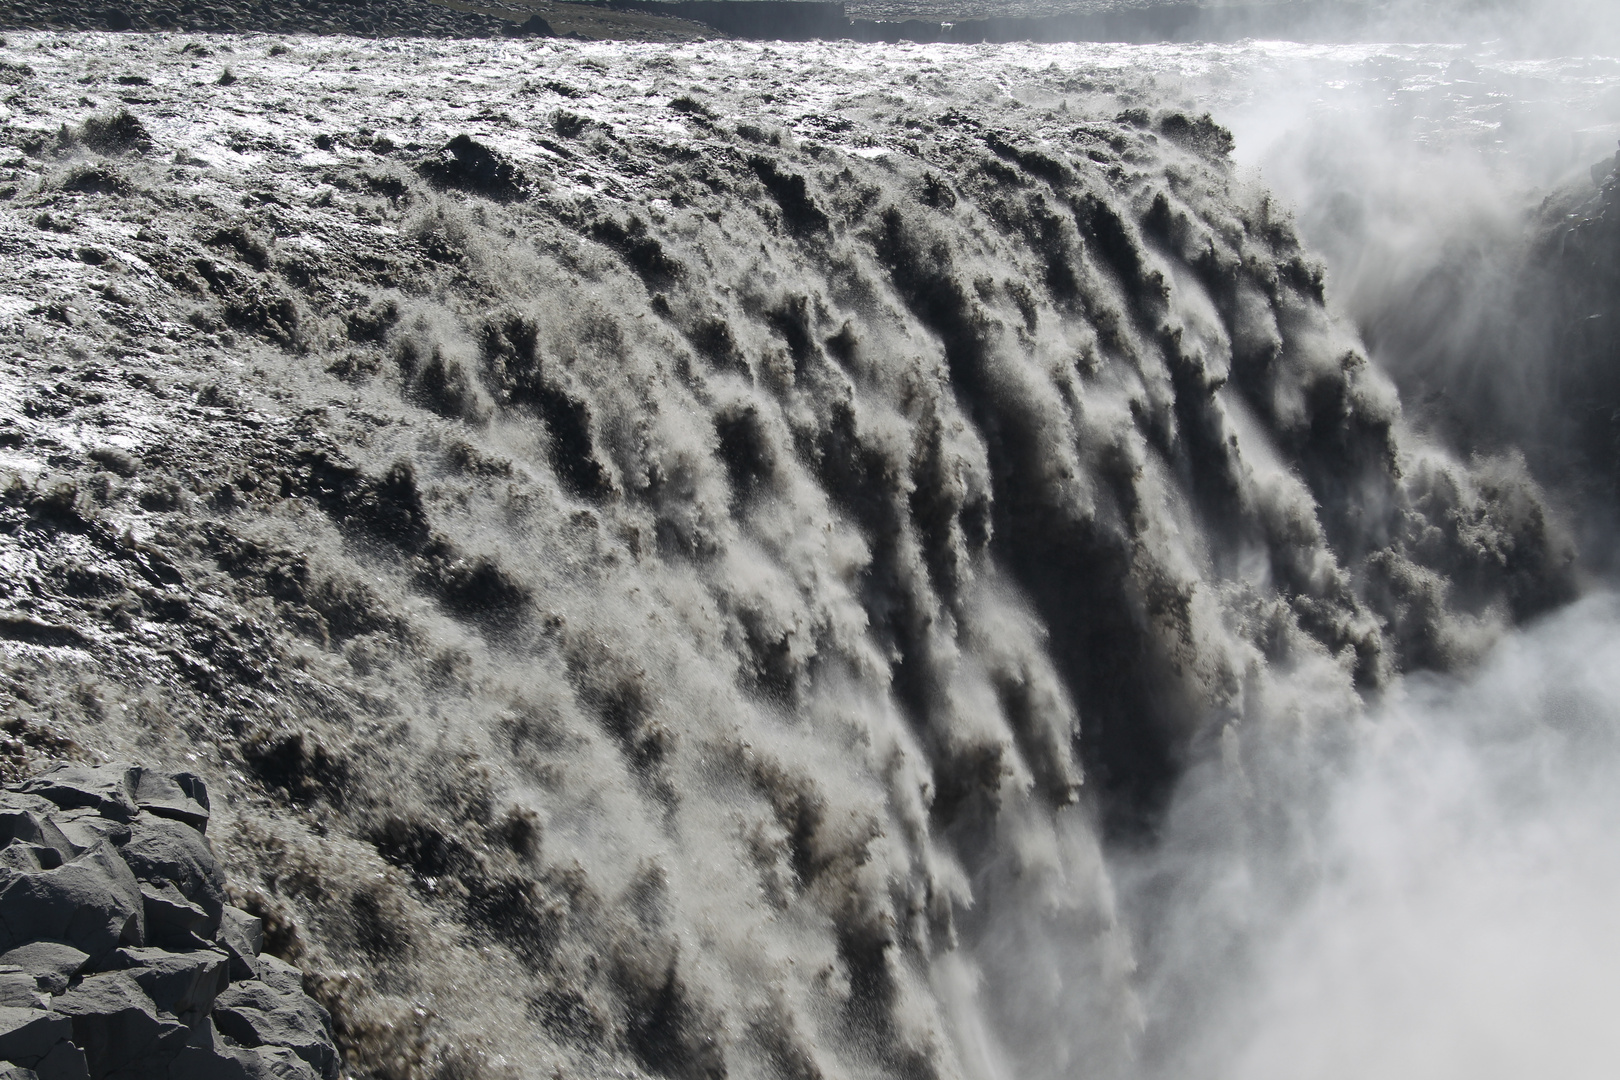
[(107, 789), (119, 957), (51, 964), (117, 1025), (20, 990), (28, 1035), (255, 1014), (92, 903), (241, 936), (181, 796), (181, 984)]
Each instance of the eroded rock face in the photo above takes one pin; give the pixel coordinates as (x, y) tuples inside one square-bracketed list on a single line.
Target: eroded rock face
[(121, 956)]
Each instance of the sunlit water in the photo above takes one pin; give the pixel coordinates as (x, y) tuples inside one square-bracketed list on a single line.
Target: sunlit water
[(1416, 880)]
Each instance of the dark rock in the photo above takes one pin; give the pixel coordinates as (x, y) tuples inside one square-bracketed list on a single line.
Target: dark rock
[(240, 1063), (258, 1015), (161, 851), (180, 796), (92, 903), (117, 1025), (107, 789), (172, 921), (84, 829), (207, 1063), (27, 1035), (65, 1062), (472, 166), (52, 964), (184, 984), (242, 937), (19, 990)]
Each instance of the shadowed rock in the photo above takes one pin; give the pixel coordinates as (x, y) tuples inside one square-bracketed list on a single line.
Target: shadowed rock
[(255, 1014), (472, 166)]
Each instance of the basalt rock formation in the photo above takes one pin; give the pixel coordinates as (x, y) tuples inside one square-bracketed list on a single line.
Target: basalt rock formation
[(119, 956)]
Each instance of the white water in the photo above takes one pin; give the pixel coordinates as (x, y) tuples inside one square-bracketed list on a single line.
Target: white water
[(1412, 878)]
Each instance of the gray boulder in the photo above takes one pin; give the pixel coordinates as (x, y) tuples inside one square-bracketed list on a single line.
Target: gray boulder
[(27, 1035), (51, 964), (107, 789), (20, 990), (254, 1014), (181, 984), (29, 858), (29, 818), (92, 903), (180, 796), (84, 829), (39, 1042), (117, 1025), (162, 851), (242, 937), (172, 921), (284, 978)]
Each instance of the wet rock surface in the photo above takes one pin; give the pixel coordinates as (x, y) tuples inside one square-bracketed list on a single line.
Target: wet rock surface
[(100, 978)]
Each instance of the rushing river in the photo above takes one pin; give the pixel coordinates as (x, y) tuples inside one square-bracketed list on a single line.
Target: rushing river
[(822, 561)]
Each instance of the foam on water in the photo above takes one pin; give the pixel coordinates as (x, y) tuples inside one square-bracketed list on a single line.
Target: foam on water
[(805, 561)]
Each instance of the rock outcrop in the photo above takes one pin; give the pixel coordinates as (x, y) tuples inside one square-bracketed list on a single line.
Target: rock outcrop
[(119, 956)]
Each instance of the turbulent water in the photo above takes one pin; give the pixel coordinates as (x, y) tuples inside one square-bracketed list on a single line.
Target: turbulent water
[(815, 561)]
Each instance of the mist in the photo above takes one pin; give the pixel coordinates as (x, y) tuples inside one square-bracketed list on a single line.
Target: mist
[(1457, 195), (1446, 909), (1433, 895)]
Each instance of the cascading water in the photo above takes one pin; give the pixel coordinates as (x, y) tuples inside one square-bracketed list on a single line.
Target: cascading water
[(803, 561)]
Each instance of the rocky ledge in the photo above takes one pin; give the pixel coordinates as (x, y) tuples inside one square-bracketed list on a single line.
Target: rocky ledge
[(119, 956)]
